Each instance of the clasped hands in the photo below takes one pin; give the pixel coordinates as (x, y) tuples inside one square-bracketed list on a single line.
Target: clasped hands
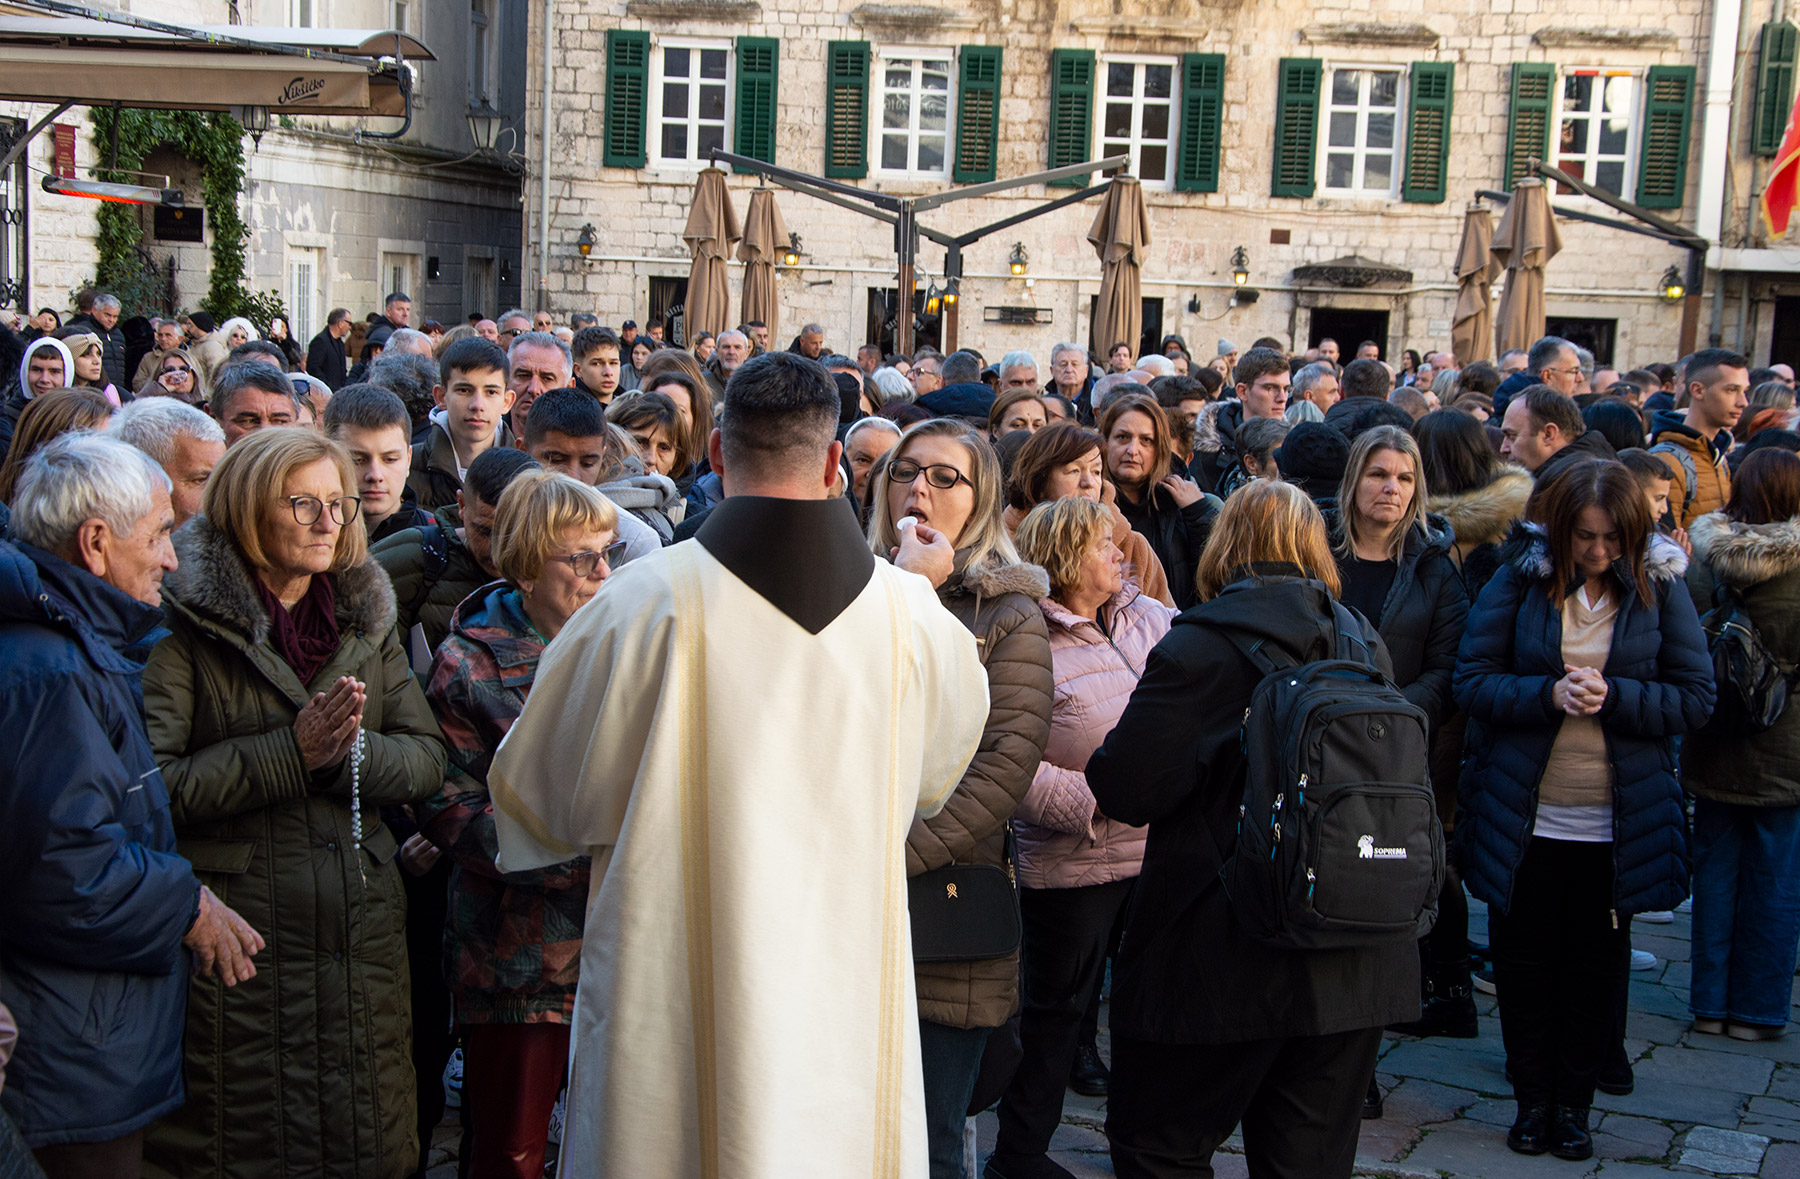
[(1581, 691)]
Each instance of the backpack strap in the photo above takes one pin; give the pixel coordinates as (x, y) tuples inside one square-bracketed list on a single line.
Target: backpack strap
[(435, 547), (1690, 476), (1351, 646)]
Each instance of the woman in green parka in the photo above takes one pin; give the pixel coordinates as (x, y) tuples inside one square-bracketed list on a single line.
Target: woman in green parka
[(283, 715)]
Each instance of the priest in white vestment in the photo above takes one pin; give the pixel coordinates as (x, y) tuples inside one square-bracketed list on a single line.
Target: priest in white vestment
[(740, 730)]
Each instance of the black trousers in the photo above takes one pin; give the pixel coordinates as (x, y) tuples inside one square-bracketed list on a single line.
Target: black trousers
[(1560, 965), (1063, 955), (1299, 1101)]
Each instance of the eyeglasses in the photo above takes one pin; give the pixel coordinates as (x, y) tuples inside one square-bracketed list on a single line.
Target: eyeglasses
[(1567, 372), (586, 562), (178, 370), (941, 476), (306, 508)]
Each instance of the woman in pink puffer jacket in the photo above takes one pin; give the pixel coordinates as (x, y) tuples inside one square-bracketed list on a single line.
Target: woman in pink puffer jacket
[(1075, 865)]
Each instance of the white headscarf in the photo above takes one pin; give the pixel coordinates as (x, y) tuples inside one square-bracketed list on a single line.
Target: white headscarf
[(236, 321), (37, 346)]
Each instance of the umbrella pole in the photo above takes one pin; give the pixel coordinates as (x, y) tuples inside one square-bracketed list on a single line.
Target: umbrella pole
[(1690, 301), (906, 246), (952, 273)]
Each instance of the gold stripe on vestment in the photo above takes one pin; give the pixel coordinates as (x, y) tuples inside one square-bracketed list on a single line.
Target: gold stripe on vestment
[(888, 1054), (696, 848), (513, 807)]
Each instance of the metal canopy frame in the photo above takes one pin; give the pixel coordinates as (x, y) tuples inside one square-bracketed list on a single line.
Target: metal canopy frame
[(902, 213), (1647, 224)]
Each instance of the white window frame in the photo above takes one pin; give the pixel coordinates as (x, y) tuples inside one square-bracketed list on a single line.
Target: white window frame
[(303, 14), (1629, 177), (1164, 183), (305, 319), (1360, 150), (481, 281), (484, 33), (409, 261), (655, 129), (878, 112)]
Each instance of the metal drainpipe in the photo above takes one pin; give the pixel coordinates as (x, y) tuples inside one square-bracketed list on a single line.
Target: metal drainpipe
[(1715, 335), (543, 295)]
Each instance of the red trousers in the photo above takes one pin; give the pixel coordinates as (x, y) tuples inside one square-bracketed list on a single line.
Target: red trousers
[(512, 1073)]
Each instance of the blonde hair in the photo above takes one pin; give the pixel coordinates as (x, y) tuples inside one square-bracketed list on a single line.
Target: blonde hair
[(984, 535), (244, 493), (1057, 535), (536, 511), (1362, 452), (1266, 520)]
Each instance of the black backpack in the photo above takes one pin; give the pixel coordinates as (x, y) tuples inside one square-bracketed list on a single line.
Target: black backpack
[(1338, 840), (1753, 685)]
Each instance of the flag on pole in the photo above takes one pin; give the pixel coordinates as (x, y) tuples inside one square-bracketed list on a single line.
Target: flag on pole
[(1782, 193)]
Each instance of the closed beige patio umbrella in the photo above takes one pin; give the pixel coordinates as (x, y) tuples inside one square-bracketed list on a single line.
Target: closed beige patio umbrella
[(1121, 235), (1472, 323), (765, 236), (712, 228), (1525, 242)]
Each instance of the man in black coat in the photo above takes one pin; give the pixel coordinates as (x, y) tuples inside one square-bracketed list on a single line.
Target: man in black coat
[(1543, 432), (325, 358), (102, 318)]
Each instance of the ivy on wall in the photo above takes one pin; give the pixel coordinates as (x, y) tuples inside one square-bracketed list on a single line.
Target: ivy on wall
[(214, 141)]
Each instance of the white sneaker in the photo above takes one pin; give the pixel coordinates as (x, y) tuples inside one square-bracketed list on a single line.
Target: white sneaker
[(1686, 906), (453, 1080), (556, 1118), (1643, 960), (1660, 917)]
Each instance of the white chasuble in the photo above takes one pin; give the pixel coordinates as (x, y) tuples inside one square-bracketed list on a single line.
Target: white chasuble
[(746, 1003)]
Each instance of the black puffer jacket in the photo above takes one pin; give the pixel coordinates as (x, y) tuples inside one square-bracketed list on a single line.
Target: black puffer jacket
[(1187, 972), (1422, 620), (1215, 443), (1176, 534)]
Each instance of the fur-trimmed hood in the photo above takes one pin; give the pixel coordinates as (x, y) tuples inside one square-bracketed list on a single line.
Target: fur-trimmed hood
[(1746, 554), (213, 582), (1529, 552), (1485, 515), (1212, 435), (990, 580)]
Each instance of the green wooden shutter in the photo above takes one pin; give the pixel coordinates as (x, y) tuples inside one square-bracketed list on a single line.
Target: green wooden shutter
[(757, 58), (1528, 119), (627, 98), (1775, 60), (1668, 116), (1202, 108), (977, 113), (1428, 132), (847, 110), (1296, 126), (1071, 110)]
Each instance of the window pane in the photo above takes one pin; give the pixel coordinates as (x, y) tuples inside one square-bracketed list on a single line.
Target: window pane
[(1343, 129), (674, 141), (899, 75), (675, 63), (1338, 167), (933, 110), (893, 152), (1118, 78), (1154, 163), (711, 137), (1378, 171), (712, 102), (931, 153), (1384, 89), (1156, 121), (1115, 147), (896, 111), (1118, 120), (1158, 81), (1381, 130), (935, 75), (1577, 90), (1610, 176), (1345, 85), (1613, 133), (712, 63), (1575, 136), (675, 100)]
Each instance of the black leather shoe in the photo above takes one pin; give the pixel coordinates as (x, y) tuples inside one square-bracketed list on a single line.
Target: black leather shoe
[(1024, 1166), (1531, 1133), (1451, 1014), (1372, 1107), (1569, 1137), (1088, 1076), (1616, 1077)]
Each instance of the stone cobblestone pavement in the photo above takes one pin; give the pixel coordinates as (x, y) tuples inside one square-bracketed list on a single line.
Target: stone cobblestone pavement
[(1704, 1105)]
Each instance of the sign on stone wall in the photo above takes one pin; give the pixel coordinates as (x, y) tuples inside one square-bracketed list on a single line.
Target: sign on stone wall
[(63, 143)]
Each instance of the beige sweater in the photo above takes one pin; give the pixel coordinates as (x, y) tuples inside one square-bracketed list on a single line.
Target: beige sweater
[(1579, 772)]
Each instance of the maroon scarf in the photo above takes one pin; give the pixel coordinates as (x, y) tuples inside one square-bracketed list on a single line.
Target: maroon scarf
[(307, 635)]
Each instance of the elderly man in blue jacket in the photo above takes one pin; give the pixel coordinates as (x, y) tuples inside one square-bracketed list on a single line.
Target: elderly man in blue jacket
[(103, 919)]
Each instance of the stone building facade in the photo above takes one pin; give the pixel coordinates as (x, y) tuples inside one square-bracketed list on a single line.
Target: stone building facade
[(1337, 142), (332, 222)]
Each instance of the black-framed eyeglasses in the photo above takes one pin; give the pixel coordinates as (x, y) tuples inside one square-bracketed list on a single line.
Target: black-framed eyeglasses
[(586, 562), (181, 370), (939, 475), (306, 508)]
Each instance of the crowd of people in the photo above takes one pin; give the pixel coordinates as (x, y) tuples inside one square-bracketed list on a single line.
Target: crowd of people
[(343, 785)]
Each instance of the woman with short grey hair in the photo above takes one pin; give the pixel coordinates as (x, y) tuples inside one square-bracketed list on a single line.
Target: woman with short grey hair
[(892, 386)]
